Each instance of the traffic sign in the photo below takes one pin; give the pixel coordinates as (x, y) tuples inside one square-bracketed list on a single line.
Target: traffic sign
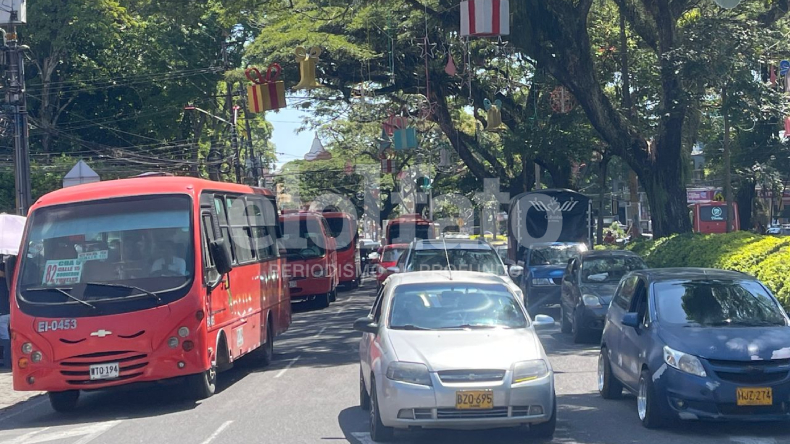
[(784, 67)]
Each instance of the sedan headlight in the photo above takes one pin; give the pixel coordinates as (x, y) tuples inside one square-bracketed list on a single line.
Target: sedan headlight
[(529, 370), (684, 362), (410, 372), (591, 301), (542, 281)]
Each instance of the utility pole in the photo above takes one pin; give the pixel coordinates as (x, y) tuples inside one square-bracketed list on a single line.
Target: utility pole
[(231, 110), (17, 103), (234, 142), (727, 166), (248, 130)]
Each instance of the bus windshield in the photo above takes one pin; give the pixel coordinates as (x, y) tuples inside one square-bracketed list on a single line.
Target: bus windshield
[(106, 251), (306, 242), (341, 229)]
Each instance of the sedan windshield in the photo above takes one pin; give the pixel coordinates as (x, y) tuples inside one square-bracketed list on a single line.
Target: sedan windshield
[(454, 306), (482, 261), (553, 255), (596, 270), (108, 250), (717, 303)]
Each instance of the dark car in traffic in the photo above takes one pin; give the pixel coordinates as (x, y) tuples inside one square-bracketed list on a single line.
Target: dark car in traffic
[(544, 265), (588, 286), (696, 343)]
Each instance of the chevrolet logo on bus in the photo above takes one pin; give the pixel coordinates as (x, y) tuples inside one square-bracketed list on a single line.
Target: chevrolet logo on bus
[(101, 333)]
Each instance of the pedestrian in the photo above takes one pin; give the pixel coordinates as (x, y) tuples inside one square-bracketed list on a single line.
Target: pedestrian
[(5, 319)]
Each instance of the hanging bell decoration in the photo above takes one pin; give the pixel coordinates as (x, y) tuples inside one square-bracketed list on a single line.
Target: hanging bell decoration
[(307, 65), (317, 151), (444, 158), (494, 116), (450, 68)]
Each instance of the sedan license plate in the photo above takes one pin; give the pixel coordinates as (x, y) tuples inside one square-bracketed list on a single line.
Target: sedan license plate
[(474, 399), (755, 396), (291, 284), (104, 371)]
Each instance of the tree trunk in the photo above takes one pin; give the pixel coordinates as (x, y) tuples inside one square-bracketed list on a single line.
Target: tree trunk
[(601, 196), (745, 199)]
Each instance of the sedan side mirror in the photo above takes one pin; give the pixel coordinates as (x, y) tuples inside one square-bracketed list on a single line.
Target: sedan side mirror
[(516, 270), (9, 266), (366, 325), (630, 320), (221, 256), (542, 322)]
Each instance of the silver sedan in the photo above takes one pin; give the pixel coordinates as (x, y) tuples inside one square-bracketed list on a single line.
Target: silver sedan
[(453, 350)]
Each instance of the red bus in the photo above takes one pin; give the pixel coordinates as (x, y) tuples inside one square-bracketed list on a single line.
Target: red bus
[(711, 217), (408, 227), (310, 250), (145, 279), (344, 230)]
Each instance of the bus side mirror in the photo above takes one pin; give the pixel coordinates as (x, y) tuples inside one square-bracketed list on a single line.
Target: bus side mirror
[(10, 267), (221, 256)]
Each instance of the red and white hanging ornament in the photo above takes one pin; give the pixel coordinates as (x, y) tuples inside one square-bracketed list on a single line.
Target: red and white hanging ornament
[(562, 100), (485, 18), (348, 169)]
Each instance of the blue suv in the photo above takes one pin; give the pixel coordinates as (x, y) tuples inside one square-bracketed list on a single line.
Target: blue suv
[(696, 343)]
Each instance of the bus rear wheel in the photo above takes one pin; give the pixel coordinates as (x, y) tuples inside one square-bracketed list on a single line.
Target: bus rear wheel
[(64, 401), (323, 300)]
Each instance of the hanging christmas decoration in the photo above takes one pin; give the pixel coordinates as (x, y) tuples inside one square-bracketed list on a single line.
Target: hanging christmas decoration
[(348, 169), (727, 4), (386, 161), (404, 137), (383, 142), (317, 151), (307, 65), (485, 18), (562, 100), (450, 68), (444, 159), (266, 93), (494, 116)]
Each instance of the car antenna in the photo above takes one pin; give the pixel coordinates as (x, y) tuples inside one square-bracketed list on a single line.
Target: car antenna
[(447, 257)]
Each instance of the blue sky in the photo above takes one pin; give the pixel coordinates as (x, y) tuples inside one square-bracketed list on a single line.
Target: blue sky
[(289, 145)]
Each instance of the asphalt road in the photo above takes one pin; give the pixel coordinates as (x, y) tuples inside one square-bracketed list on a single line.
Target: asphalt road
[(309, 395)]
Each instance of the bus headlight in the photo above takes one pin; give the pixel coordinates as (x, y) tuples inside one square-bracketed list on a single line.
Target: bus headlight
[(36, 356), (27, 348), (172, 342), (183, 332)]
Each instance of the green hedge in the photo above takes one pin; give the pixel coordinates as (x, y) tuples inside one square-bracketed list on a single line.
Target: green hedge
[(765, 257)]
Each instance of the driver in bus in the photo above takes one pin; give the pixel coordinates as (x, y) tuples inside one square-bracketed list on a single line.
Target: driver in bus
[(168, 263)]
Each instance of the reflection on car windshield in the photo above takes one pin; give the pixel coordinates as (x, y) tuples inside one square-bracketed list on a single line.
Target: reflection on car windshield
[(133, 243), (483, 261), (596, 270), (553, 255), (716, 303), (452, 306)]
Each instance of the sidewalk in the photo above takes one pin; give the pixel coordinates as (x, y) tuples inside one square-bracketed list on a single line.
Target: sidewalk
[(8, 397)]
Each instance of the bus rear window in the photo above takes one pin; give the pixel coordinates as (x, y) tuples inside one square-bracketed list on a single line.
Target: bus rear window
[(713, 213)]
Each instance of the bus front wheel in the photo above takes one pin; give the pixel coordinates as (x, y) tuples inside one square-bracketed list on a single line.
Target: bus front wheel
[(64, 401), (202, 385)]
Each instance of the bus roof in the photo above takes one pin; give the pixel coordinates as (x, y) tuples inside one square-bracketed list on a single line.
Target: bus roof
[(138, 186)]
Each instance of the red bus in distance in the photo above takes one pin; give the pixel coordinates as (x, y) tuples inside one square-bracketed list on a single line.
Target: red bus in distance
[(711, 217), (344, 230), (408, 227), (145, 279)]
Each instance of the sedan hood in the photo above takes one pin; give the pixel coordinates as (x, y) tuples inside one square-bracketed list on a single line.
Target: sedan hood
[(464, 349), (546, 271), (604, 291), (730, 343)]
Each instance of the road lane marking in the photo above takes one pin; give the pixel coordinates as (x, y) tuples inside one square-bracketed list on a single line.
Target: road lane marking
[(363, 437), (750, 440), (30, 406), (217, 432), (320, 332), (293, 361), (24, 438)]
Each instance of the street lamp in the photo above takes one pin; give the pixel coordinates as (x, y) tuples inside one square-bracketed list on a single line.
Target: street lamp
[(234, 138)]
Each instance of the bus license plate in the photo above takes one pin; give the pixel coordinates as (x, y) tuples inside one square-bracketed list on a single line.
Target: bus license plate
[(104, 371), (474, 399), (755, 396), (291, 284)]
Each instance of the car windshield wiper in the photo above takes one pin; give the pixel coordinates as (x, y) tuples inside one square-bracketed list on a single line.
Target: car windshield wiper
[(408, 327), (471, 327), (65, 293), (148, 293)]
